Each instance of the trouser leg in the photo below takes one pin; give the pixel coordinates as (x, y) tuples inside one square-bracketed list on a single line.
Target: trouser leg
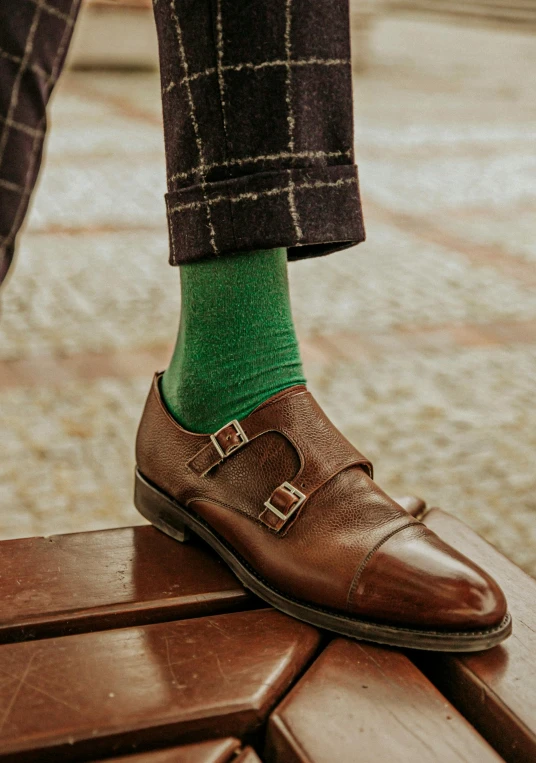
[(257, 103), (34, 38)]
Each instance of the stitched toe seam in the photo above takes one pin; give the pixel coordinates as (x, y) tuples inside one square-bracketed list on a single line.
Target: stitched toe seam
[(366, 560)]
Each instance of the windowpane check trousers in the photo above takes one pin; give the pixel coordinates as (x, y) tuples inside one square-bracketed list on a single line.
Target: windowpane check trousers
[(258, 121)]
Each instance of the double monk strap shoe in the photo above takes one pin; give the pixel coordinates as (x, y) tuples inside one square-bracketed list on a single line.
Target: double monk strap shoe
[(292, 508)]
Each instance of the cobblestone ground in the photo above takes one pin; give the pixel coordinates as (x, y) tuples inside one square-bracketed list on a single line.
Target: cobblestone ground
[(420, 343)]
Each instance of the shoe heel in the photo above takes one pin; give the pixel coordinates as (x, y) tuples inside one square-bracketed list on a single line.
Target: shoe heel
[(159, 510)]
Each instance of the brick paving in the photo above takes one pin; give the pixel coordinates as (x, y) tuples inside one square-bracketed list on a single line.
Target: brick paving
[(421, 343)]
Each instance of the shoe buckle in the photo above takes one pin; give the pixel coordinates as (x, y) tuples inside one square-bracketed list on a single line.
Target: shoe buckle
[(294, 492), (223, 452)]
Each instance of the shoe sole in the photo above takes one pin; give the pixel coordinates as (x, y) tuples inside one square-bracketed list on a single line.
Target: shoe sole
[(171, 518)]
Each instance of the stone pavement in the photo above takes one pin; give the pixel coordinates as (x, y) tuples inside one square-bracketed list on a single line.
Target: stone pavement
[(421, 343)]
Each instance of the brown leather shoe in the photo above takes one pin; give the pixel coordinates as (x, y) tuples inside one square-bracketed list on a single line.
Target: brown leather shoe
[(291, 506)]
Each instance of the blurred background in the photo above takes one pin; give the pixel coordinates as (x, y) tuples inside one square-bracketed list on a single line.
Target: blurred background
[(420, 343)]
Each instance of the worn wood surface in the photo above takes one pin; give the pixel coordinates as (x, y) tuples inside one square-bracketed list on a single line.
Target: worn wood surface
[(130, 687), (89, 581), (97, 580), (495, 690), (248, 755), (360, 702), (211, 751), (412, 504), (92, 693)]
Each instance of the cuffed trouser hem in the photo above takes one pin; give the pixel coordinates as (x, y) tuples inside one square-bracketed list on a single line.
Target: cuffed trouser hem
[(311, 211), (257, 106)]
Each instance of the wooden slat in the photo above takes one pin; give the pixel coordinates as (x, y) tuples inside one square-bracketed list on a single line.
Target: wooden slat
[(94, 694), (97, 580), (413, 505), (496, 690), (359, 702), (66, 584), (247, 756), (212, 751)]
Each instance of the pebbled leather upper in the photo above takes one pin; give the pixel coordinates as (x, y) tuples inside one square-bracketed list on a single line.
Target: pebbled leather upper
[(335, 539)]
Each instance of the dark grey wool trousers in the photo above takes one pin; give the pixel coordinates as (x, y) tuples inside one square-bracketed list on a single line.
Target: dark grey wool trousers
[(258, 122)]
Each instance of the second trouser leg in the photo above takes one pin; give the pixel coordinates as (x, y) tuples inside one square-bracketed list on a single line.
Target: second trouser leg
[(257, 102), (34, 39)]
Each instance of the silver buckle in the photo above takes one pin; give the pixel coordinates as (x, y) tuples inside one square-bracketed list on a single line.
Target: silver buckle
[(293, 491), (240, 432)]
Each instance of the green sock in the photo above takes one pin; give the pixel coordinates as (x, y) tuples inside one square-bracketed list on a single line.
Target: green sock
[(236, 345)]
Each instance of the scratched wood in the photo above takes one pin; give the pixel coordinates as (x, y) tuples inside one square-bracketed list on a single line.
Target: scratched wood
[(96, 580), (168, 683), (217, 751), (91, 581), (212, 751), (361, 702), (413, 505), (496, 690), (248, 755)]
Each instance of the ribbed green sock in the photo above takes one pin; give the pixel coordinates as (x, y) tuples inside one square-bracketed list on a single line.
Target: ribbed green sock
[(236, 345)]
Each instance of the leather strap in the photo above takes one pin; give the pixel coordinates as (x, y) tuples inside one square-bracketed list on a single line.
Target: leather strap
[(323, 451), (226, 440), (222, 444)]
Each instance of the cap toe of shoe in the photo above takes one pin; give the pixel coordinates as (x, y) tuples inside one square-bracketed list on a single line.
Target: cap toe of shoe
[(414, 579)]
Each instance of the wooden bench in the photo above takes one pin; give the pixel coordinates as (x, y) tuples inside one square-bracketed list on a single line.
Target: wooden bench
[(125, 645)]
